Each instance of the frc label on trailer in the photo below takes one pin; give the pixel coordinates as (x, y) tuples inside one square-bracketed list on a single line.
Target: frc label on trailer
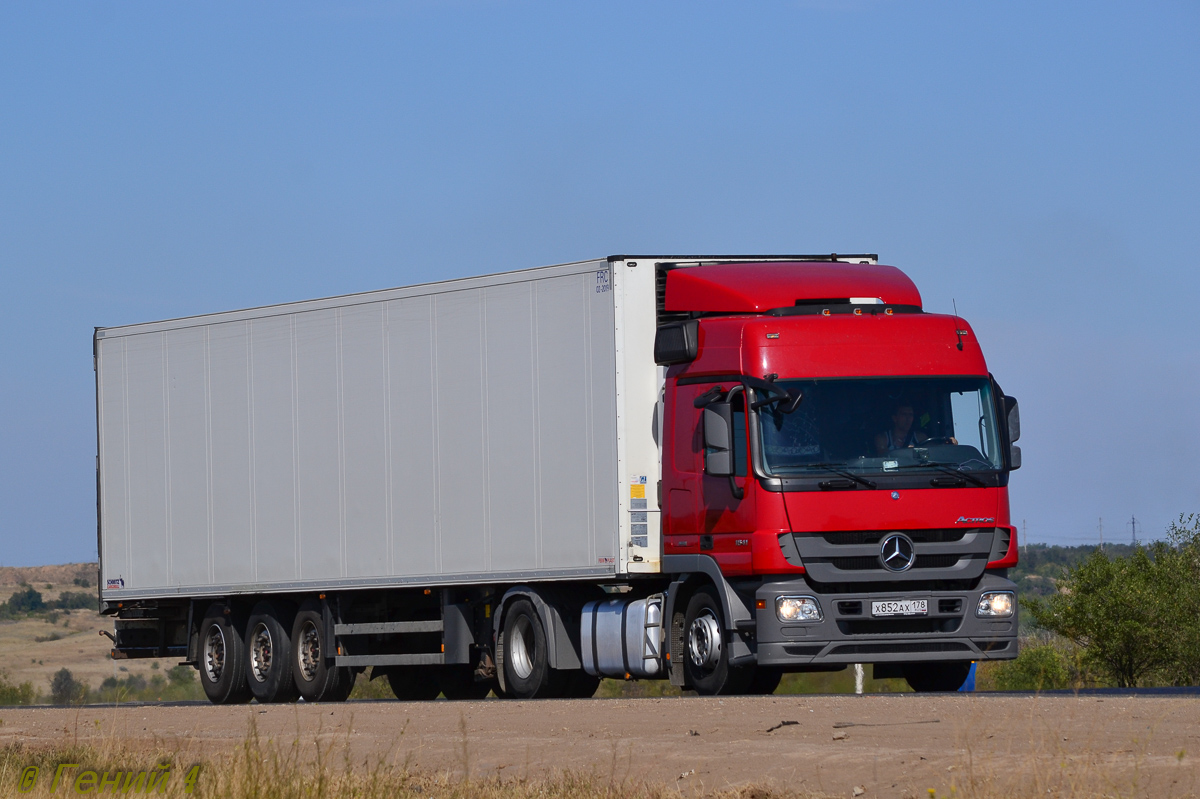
[(602, 282)]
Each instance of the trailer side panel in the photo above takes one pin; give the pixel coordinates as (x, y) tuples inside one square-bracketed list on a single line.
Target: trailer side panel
[(450, 433)]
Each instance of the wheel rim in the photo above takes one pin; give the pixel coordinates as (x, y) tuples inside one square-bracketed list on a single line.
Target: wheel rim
[(261, 651), (308, 651), (704, 641), (519, 648), (214, 653)]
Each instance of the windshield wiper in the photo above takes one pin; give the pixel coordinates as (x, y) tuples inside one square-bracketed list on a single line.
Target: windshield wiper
[(947, 468), (839, 471)]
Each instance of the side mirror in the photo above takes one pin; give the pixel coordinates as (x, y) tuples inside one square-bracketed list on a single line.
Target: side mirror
[(1014, 418), (1014, 457), (718, 439)]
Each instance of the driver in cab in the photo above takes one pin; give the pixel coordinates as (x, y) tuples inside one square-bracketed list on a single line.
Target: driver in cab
[(901, 434)]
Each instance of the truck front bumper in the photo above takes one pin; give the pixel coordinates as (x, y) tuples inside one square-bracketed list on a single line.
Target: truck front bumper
[(847, 632)]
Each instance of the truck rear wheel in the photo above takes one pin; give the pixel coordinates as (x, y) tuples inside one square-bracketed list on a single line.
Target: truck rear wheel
[(222, 659), (413, 683), (706, 657), (316, 678), (458, 682), (523, 644), (928, 677), (269, 654)]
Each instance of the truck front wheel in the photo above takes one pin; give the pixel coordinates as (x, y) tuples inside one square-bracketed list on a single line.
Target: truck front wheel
[(222, 659), (928, 677), (706, 656)]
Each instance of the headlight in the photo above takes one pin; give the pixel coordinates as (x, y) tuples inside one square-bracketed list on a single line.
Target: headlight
[(995, 604), (797, 608)]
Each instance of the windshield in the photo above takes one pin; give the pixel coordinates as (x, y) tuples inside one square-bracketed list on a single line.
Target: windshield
[(883, 425)]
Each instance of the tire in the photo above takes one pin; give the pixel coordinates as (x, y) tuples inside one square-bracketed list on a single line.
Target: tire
[(344, 679), (315, 676), (269, 654), (706, 655), (581, 685), (930, 677), (526, 661), (223, 659), (458, 682), (413, 683), (764, 682)]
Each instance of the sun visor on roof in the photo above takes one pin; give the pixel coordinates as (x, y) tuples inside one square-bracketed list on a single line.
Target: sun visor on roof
[(755, 288)]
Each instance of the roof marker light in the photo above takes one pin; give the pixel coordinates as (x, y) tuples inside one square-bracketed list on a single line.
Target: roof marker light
[(772, 335), (888, 311), (825, 312), (858, 311)]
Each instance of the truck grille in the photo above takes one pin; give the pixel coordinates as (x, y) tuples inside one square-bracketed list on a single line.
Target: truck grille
[(872, 562), (860, 537), (854, 556)]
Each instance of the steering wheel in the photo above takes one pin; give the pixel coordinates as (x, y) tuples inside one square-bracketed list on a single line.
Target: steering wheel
[(937, 440)]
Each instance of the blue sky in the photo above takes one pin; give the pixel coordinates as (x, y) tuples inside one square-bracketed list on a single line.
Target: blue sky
[(1036, 163)]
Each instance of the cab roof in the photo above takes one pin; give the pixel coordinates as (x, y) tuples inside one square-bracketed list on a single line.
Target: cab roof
[(760, 287)]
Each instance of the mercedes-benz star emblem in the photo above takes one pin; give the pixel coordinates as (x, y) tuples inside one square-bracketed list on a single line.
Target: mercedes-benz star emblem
[(897, 553)]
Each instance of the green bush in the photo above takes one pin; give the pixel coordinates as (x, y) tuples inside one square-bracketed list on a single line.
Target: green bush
[(181, 675), (27, 600), (1041, 667), (65, 690), (15, 694), (1136, 619), (75, 600)]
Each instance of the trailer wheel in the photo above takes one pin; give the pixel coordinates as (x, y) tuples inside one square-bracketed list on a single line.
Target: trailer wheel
[(413, 683), (526, 662), (222, 659), (316, 678), (458, 682), (269, 654), (706, 657), (929, 677)]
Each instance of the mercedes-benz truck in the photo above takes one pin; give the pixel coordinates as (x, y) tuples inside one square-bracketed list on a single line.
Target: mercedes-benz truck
[(708, 469)]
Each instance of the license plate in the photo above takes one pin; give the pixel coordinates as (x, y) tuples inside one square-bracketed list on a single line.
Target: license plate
[(903, 607)]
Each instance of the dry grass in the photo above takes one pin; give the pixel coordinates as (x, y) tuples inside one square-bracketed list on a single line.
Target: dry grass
[(308, 769), (319, 766)]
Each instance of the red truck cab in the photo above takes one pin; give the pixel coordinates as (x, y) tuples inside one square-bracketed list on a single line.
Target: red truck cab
[(844, 458)]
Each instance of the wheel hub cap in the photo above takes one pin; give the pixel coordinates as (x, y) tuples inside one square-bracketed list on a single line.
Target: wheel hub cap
[(308, 651), (214, 653), (704, 642), (260, 653)]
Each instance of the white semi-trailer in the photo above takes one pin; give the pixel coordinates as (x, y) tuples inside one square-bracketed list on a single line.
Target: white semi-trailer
[(456, 485)]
